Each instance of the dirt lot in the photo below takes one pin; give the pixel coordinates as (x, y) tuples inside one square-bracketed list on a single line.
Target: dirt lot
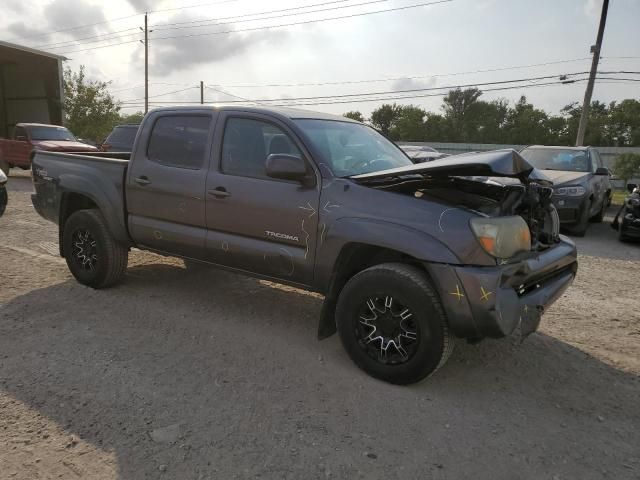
[(181, 376)]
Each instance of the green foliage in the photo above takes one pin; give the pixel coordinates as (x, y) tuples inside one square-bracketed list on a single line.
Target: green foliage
[(131, 118), (467, 118), (384, 117), (627, 166), (354, 115), (90, 110)]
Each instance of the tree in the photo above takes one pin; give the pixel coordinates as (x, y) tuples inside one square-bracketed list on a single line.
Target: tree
[(384, 117), (131, 118), (409, 124), (627, 166), (456, 108), (89, 109), (354, 115), (526, 124)]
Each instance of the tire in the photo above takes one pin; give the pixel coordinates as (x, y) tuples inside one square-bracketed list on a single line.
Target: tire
[(414, 318), (5, 167), (93, 256), (600, 215), (4, 199)]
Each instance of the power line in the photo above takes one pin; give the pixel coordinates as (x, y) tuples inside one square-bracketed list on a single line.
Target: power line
[(214, 21), (408, 77), (161, 94), (77, 27), (267, 27), (353, 15), (80, 41)]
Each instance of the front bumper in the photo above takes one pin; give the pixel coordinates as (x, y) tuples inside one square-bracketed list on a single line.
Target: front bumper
[(570, 209), (495, 301)]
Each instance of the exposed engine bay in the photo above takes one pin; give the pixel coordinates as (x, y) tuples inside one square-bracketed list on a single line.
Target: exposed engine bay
[(492, 197)]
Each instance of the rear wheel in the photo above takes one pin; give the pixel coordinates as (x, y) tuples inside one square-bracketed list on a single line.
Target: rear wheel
[(392, 324), (600, 215), (93, 256)]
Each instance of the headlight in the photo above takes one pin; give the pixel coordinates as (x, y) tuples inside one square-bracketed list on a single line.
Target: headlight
[(502, 237), (570, 191)]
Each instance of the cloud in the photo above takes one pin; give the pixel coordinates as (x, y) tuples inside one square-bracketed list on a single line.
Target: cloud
[(592, 8), (20, 30), (57, 14), (412, 83), (178, 54)]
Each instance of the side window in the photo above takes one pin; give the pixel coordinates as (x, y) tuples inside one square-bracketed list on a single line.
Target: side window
[(20, 132), (179, 141), (247, 144)]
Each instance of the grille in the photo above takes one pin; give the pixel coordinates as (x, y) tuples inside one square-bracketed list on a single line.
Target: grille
[(567, 214)]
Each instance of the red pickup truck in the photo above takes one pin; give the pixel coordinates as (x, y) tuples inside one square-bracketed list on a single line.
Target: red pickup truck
[(28, 137)]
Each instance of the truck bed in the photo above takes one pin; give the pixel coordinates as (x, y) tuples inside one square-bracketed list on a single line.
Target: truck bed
[(99, 176)]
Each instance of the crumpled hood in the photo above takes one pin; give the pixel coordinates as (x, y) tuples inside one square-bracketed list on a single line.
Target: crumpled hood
[(561, 177), (63, 145), (496, 163)]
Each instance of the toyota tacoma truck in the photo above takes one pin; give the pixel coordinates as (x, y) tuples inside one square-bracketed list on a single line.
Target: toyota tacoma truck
[(31, 137), (408, 256)]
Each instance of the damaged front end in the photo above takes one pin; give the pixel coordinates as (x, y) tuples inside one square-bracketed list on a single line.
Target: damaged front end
[(493, 184), (510, 296)]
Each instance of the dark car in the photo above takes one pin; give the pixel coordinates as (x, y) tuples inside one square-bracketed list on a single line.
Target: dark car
[(3, 192), (421, 153), (629, 227), (581, 183), (121, 138)]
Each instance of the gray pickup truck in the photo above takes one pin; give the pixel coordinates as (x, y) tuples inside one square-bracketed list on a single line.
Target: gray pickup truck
[(408, 256)]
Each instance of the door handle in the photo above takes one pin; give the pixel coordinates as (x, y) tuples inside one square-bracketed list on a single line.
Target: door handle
[(219, 192), (142, 180)]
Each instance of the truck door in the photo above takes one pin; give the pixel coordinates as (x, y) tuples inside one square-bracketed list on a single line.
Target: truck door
[(254, 222), (19, 149), (166, 182)]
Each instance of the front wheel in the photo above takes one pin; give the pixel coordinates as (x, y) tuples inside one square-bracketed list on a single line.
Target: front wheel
[(392, 324), (93, 256)]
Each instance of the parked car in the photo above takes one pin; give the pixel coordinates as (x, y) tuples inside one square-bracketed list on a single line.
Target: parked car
[(421, 153), (581, 183), (407, 256), (629, 228), (120, 139), (4, 197), (30, 137)]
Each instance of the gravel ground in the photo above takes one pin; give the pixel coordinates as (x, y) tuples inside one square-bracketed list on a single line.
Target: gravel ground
[(213, 375)]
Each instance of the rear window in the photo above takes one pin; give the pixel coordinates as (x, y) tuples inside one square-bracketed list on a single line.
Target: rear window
[(122, 135), (179, 141)]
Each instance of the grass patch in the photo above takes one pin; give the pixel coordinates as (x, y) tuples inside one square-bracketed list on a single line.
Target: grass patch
[(619, 196)]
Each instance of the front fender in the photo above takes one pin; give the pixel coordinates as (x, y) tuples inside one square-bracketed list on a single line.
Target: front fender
[(383, 234)]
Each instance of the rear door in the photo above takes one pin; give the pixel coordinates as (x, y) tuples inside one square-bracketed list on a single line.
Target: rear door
[(166, 182), (257, 223)]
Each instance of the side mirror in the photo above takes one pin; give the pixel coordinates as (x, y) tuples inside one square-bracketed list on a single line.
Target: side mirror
[(602, 171), (21, 138), (631, 187), (286, 167)]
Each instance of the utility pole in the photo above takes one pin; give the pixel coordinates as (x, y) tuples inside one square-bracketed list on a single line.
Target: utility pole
[(201, 92), (146, 64), (595, 49)]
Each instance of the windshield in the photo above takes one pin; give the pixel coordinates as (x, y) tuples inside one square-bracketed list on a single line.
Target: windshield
[(557, 159), (51, 133), (352, 148)]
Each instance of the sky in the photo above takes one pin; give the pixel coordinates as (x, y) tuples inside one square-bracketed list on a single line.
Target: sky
[(408, 45)]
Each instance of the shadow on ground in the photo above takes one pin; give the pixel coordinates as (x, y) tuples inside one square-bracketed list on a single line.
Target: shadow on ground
[(233, 366)]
